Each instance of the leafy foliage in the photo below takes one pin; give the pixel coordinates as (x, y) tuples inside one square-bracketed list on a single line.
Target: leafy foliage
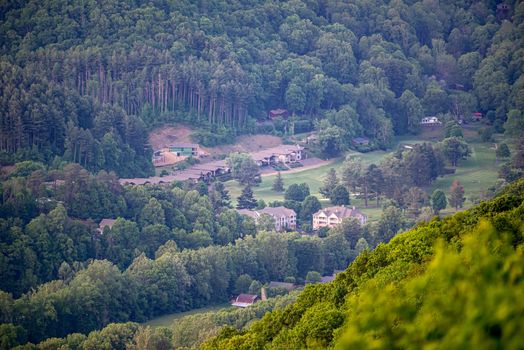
[(441, 284)]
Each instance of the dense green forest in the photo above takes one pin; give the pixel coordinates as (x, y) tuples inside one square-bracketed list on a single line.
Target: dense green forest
[(453, 283), (83, 81), (173, 248)]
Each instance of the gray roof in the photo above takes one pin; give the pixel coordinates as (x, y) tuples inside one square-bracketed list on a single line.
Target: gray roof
[(278, 211), (183, 145), (341, 211)]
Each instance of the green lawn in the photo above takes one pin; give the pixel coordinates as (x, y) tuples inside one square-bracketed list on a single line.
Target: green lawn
[(167, 320), (313, 177), (476, 174)]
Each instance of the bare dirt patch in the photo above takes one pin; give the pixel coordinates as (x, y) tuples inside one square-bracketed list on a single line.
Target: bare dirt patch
[(164, 136), (248, 143)]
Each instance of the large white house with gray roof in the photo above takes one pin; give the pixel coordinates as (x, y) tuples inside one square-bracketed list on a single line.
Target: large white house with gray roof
[(285, 219)]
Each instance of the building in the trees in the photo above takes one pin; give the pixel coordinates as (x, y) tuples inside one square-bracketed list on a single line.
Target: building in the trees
[(430, 121), (476, 116), (332, 216), (280, 154), (275, 113), (360, 141), (198, 172), (285, 218), (184, 149), (105, 223), (245, 300), (175, 154)]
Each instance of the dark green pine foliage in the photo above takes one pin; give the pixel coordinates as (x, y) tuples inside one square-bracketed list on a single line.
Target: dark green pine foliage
[(246, 199)]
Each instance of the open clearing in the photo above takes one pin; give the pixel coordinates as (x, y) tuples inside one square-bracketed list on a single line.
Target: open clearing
[(164, 136), (476, 174), (167, 320)]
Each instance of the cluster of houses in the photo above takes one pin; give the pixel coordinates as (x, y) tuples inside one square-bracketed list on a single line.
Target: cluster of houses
[(286, 219), (207, 171)]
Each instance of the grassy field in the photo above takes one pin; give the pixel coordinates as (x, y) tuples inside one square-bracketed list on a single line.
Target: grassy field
[(167, 320), (476, 174)]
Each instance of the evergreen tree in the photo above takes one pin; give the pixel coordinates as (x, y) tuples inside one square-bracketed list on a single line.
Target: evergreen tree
[(278, 184), (438, 201), (330, 182), (339, 196), (310, 205), (503, 151), (246, 199)]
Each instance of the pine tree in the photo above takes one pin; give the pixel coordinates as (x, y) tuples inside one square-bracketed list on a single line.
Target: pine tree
[(330, 182), (438, 201), (246, 199), (278, 184)]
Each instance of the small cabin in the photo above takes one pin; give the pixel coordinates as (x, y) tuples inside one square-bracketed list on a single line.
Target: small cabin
[(360, 141), (280, 112), (476, 116), (430, 121), (245, 300), (105, 223)]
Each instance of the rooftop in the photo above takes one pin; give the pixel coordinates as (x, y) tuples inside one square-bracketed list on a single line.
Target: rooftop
[(275, 151), (278, 211), (245, 300), (183, 145), (106, 222), (340, 211)]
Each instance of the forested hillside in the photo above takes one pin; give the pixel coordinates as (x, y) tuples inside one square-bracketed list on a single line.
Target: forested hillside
[(83, 80), (453, 284), (450, 283)]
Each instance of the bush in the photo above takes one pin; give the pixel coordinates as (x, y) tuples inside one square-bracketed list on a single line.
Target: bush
[(303, 125), (296, 165), (213, 138)]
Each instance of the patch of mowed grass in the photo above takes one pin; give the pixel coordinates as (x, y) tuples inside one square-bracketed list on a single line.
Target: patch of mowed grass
[(476, 174), (167, 320), (313, 177)]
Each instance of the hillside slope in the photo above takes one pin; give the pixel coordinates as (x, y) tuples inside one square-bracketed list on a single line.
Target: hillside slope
[(453, 283)]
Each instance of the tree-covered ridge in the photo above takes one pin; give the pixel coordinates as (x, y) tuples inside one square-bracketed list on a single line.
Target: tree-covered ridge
[(370, 68), (452, 283)]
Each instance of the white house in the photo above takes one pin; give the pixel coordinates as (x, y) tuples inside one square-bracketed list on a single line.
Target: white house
[(430, 121), (332, 216), (285, 219)]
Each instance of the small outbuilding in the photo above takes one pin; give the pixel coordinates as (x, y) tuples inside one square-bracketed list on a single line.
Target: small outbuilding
[(360, 141), (245, 300), (430, 121), (105, 223), (476, 116), (280, 112)]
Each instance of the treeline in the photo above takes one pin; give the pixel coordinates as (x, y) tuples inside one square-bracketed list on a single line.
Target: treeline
[(368, 69), (49, 221), (186, 332), (173, 281), (44, 121), (441, 284)]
